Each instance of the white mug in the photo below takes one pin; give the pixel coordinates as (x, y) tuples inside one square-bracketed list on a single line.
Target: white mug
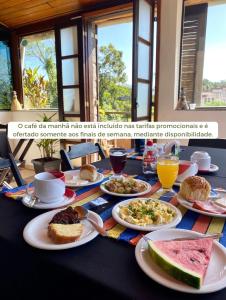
[(186, 169), (202, 159), (49, 187)]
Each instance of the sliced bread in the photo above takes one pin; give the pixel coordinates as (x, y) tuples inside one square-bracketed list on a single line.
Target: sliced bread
[(64, 233)]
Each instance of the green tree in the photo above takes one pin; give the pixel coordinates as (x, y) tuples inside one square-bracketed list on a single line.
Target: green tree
[(114, 94), (35, 90), (5, 76), (45, 53)]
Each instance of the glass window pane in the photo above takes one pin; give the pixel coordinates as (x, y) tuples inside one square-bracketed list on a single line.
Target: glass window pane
[(71, 100), (142, 99), (5, 76), (70, 71), (145, 11), (38, 64), (143, 61), (72, 119), (69, 41)]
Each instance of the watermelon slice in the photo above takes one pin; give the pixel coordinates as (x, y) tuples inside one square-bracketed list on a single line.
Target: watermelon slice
[(185, 260)]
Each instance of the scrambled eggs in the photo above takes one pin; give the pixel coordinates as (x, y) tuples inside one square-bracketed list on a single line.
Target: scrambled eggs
[(125, 186), (147, 212)]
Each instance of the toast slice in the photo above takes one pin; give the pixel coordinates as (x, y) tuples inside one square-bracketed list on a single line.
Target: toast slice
[(64, 233)]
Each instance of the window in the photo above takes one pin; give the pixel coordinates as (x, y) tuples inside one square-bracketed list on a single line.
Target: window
[(115, 69), (38, 64), (5, 76), (203, 62)]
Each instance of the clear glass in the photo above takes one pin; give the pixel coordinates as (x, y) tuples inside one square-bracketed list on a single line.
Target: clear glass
[(69, 41), (144, 19), (143, 61), (142, 99), (71, 100), (70, 71), (167, 170), (118, 161), (38, 64)]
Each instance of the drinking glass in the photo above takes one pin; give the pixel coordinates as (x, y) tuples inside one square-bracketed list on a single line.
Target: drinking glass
[(167, 170), (118, 161)]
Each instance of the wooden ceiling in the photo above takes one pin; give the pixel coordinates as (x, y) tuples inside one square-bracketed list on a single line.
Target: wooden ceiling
[(16, 13), (210, 2)]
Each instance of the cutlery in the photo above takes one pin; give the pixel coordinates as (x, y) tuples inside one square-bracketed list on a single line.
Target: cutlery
[(83, 214), (213, 236), (30, 197)]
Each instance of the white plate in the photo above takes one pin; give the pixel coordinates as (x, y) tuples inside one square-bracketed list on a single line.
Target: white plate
[(36, 232), (148, 189), (68, 198), (115, 214), (213, 168), (188, 205), (215, 278), (69, 181)]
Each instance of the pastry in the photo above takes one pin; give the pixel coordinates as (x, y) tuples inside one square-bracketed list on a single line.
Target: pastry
[(64, 233), (195, 188), (88, 172), (65, 226)]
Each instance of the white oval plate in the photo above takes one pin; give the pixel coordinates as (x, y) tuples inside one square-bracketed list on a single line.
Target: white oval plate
[(36, 232), (115, 214), (103, 189), (72, 183), (215, 278), (68, 198), (188, 205)]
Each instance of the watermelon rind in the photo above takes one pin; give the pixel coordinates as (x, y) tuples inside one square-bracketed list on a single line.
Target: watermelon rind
[(172, 268)]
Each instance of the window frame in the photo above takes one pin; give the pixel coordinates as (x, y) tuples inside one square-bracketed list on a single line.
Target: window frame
[(198, 108)]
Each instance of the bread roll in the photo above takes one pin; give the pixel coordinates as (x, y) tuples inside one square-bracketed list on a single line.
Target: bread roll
[(88, 172), (195, 188), (64, 233)]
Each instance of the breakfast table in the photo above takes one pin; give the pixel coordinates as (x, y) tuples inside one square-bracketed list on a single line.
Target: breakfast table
[(104, 268)]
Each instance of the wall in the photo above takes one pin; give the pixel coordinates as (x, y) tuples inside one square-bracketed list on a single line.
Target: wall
[(171, 14), (6, 117)]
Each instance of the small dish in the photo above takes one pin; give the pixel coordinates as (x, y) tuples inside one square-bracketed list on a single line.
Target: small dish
[(173, 223), (215, 278), (69, 197), (213, 168), (72, 179), (147, 190), (36, 232)]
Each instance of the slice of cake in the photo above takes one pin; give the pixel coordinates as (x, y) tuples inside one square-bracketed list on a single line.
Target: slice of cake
[(65, 226), (65, 233)]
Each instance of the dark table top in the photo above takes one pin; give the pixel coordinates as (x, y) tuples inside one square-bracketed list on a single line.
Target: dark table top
[(100, 269)]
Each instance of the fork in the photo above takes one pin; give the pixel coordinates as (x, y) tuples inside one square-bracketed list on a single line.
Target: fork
[(213, 236)]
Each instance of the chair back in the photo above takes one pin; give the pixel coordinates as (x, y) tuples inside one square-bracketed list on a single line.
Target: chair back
[(4, 145), (209, 143), (80, 150), (7, 158)]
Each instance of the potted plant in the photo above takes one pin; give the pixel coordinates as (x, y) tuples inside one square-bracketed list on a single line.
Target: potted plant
[(47, 148)]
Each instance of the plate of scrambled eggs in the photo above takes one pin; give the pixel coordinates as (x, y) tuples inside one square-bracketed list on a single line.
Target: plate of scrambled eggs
[(146, 214)]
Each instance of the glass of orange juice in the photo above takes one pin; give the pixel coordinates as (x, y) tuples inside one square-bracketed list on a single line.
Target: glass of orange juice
[(167, 170)]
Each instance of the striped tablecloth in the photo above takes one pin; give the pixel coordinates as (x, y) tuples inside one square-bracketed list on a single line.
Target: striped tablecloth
[(191, 220)]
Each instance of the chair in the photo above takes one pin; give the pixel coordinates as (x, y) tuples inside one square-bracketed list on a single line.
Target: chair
[(7, 161), (210, 143), (80, 150)]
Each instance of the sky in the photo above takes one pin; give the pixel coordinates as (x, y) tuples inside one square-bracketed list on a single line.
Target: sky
[(121, 37), (215, 48)]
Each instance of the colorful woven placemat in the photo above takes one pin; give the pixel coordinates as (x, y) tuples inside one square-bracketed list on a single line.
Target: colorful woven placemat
[(134, 155), (191, 220)]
